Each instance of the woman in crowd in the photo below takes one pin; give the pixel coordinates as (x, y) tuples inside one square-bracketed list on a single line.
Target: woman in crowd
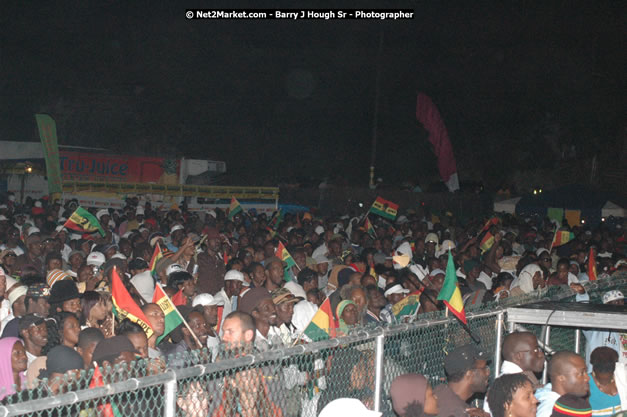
[(511, 395), (604, 398), (348, 316), (13, 363), (64, 332), (412, 396)]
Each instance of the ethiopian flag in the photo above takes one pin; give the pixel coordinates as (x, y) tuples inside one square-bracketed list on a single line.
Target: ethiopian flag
[(234, 208), (486, 242), (323, 324), (156, 255), (172, 316), (561, 237), (285, 256), (83, 221), (408, 306), (384, 208), (450, 293), (124, 307)]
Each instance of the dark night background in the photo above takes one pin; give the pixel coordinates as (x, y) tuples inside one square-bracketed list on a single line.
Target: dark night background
[(517, 85)]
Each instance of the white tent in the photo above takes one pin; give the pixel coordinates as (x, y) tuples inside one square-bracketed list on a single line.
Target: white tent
[(611, 209)]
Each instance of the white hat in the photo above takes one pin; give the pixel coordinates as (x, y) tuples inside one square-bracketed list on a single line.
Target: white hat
[(319, 230), (620, 262), (174, 268), (539, 251), (402, 219), (207, 300), (16, 293), (38, 204), (211, 213), (33, 230), (119, 255), (102, 212), (139, 211), (296, 290), (126, 235), (612, 296), (3, 217), (175, 228), (395, 289), (436, 271), (343, 407), (432, 237), (234, 275), (95, 259)]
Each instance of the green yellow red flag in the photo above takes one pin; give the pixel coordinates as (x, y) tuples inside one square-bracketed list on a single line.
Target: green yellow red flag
[(124, 307), (450, 293), (323, 324), (384, 208), (83, 221), (284, 255), (486, 242), (234, 208), (562, 237), (172, 316)]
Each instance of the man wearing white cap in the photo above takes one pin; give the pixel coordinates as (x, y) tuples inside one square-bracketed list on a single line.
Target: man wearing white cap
[(177, 233), (598, 338), (210, 307), (233, 281), (393, 294), (12, 241)]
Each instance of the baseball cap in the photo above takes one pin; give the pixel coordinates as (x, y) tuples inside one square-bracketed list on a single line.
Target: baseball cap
[(206, 300), (283, 296), (613, 295), (463, 358), (234, 275), (95, 259), (252, 299), (174, 268), (175, 228), (109, 349), (343, 407)]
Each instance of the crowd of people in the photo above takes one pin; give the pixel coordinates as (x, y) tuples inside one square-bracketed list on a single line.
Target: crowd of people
[(238, 295)]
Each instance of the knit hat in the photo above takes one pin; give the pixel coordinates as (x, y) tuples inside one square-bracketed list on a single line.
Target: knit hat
[(16, 293), (571, 405), (56, 275)]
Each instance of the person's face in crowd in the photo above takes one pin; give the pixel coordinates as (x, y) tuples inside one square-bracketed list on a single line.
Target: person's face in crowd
[(523, 404), (98, 311), (211, 315), (350, 315), (85, 273), (268, 249), (368, 279), (214, 244), (430, 248), (13, 236), (19, 361), (377, 245), (50, 245), (232, 287), (54, 264), (573, 269), (431, 402), (259, 255), (617, 302), (575, 379), (189, 288), (38, 335), (87, 353), (395, 298), (71, 329), (480, 376), (275, 273), (233, 334), (198, 325), (126, 249), (545, 260), (474, 273), (300, 259), (308, 249), (110, 252), (76, 261), (314, 297), (140, 343), (72, 306), (35, 246), (359, 297), (322, 268), (311, 284), (562, 272), (19, 308), (335, 249), (9, 260), (376, 300), (156, 318), (258, 276), (266, 312), (284, 312), (530, 356)]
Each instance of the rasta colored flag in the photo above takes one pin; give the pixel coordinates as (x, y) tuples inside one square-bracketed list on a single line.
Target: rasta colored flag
[(384, 208), (322, 325), (562, 237), (234, 208), (276, 219), (83, 221), (370, 228), (450, 293), (285, 256), (493, 221), (486, 242), (156, 255), (408, 306), (172, 316), (125, 307), (107, 409)]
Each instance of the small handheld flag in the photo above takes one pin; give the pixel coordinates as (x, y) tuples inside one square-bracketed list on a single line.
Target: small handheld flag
[(285, 256), (561, 237), (323, 324), (450, 293), (156, 255), (384, 208), (125, 307), (486, 242), (370, 228), (234, 208), (172, 316), (83, 221)]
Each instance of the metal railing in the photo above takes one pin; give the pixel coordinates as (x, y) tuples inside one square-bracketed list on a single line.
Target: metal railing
[(299, 380)]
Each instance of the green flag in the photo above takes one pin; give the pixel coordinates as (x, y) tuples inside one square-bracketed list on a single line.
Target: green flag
[(48, 135)]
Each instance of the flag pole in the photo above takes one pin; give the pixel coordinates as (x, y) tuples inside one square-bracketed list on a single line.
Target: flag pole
[(182, 318)]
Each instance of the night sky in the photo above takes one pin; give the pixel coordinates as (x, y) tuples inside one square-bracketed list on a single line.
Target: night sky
[(282, 100)]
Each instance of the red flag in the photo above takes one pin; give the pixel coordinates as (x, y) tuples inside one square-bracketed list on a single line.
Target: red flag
[(106, 410), (427, 114), (592, 266), (124, 306), (179, 299), (220, 313)]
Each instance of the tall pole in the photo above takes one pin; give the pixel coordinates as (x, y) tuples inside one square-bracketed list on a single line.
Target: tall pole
[(376, 110)]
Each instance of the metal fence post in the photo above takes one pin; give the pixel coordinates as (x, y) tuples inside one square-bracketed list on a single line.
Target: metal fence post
[(577, 340), (497, 348), (547, 340), (378, 376), (170, 396)]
